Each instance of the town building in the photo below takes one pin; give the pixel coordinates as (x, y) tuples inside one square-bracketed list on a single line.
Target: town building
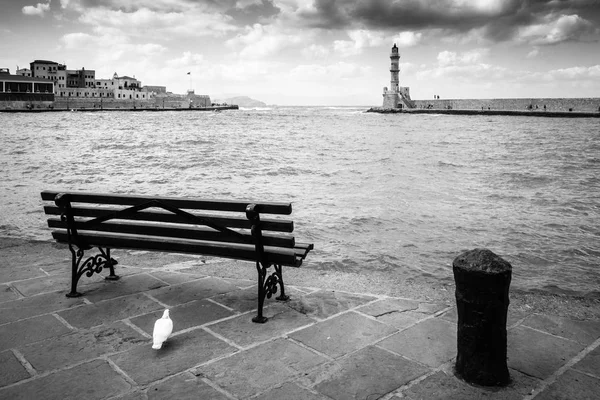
[(155, 89), (22, 90), (50, 84), (23, 71)]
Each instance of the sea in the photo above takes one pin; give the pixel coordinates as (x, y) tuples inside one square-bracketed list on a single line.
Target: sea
[(395, 194)]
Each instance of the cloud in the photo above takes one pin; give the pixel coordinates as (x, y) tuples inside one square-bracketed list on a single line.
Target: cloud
[(465, 73), (315, 51), (359, 40), (446, 58), (575, 73), (249, 12), (263, 40), (496, 20), (418, 14), (185, 20), (112, 47), (40, 9), (558, 29), (533, 53), (407, 38), (340, 70)]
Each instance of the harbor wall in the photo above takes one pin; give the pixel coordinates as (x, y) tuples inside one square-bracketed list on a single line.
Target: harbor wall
[(552, 104), (24, 105), (168, 101)]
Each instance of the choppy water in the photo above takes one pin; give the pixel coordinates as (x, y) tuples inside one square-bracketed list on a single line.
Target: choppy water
[(403, 194)]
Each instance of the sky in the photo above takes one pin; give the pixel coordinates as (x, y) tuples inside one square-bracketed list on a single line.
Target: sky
[(317, 52)]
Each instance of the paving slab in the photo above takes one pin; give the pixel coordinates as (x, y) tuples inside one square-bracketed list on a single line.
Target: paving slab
[(431, 342), (109, 311), (190, 291), (184, 386), (180, 352), (30, 254), (12, 370), (291, 391), (442, 385), (27, 307), (343, 334), (174, 278), (572, 385), (389, 306), (537, 353), (30, 330), (246, 299), (326, 303), (584, 332), (245, 283), (8, 273), (95, 380), (260, 368), (66, 350), (370, 373), (133, 395), (228, 269), (188, 315), (243, 332), (241, 300), (401, 313), (126, 285), (7, 294), (59, 280), (590, 364), (44, 284)]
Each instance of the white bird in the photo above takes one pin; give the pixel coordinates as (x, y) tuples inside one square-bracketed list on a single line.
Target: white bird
[(163, 327)]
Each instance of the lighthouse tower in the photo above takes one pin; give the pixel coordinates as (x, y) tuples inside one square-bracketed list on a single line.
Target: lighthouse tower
[(396, 96), (394, 69)]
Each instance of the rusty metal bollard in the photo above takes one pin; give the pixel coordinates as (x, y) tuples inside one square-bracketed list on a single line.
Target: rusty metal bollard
[(482, 283)]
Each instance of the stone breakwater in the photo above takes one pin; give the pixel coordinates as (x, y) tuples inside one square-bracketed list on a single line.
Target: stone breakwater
[(452, 111), (524, 104)]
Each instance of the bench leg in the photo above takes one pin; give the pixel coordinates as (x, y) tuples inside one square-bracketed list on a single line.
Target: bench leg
[(90, 266), (76, 257), (267, 286), (110, 263), (282, 296)]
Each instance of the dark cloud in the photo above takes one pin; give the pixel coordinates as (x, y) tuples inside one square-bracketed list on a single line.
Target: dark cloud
[(254, 13), (499, 21)]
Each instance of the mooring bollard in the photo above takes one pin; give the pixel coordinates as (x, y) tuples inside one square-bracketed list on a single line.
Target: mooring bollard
[(482, 283)]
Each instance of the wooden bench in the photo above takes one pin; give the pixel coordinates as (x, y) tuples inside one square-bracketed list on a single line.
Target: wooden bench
[(239, 230)]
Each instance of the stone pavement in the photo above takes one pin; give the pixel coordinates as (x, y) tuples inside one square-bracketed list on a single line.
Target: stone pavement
[(322, 344)]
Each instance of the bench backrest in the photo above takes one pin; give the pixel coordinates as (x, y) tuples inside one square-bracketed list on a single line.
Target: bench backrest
[(235, 229)]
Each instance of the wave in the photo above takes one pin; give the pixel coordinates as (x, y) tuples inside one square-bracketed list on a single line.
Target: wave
[(256, 108)]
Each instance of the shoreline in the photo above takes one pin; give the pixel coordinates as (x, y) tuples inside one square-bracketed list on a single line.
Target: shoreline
[(151, 109), (527, 113), (370, 283)]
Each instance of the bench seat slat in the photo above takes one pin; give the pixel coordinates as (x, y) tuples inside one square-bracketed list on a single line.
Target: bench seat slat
[(192, 204), (281, 256), (268, 224), (178, 231)]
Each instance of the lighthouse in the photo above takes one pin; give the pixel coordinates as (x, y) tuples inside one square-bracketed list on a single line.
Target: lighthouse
[(394, 69), (396, 96)]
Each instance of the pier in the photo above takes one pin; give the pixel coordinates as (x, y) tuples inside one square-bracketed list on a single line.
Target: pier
[(93, 109), (518, 113)]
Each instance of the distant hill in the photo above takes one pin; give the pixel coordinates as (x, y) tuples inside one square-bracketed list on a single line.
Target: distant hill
[(242, 101)]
